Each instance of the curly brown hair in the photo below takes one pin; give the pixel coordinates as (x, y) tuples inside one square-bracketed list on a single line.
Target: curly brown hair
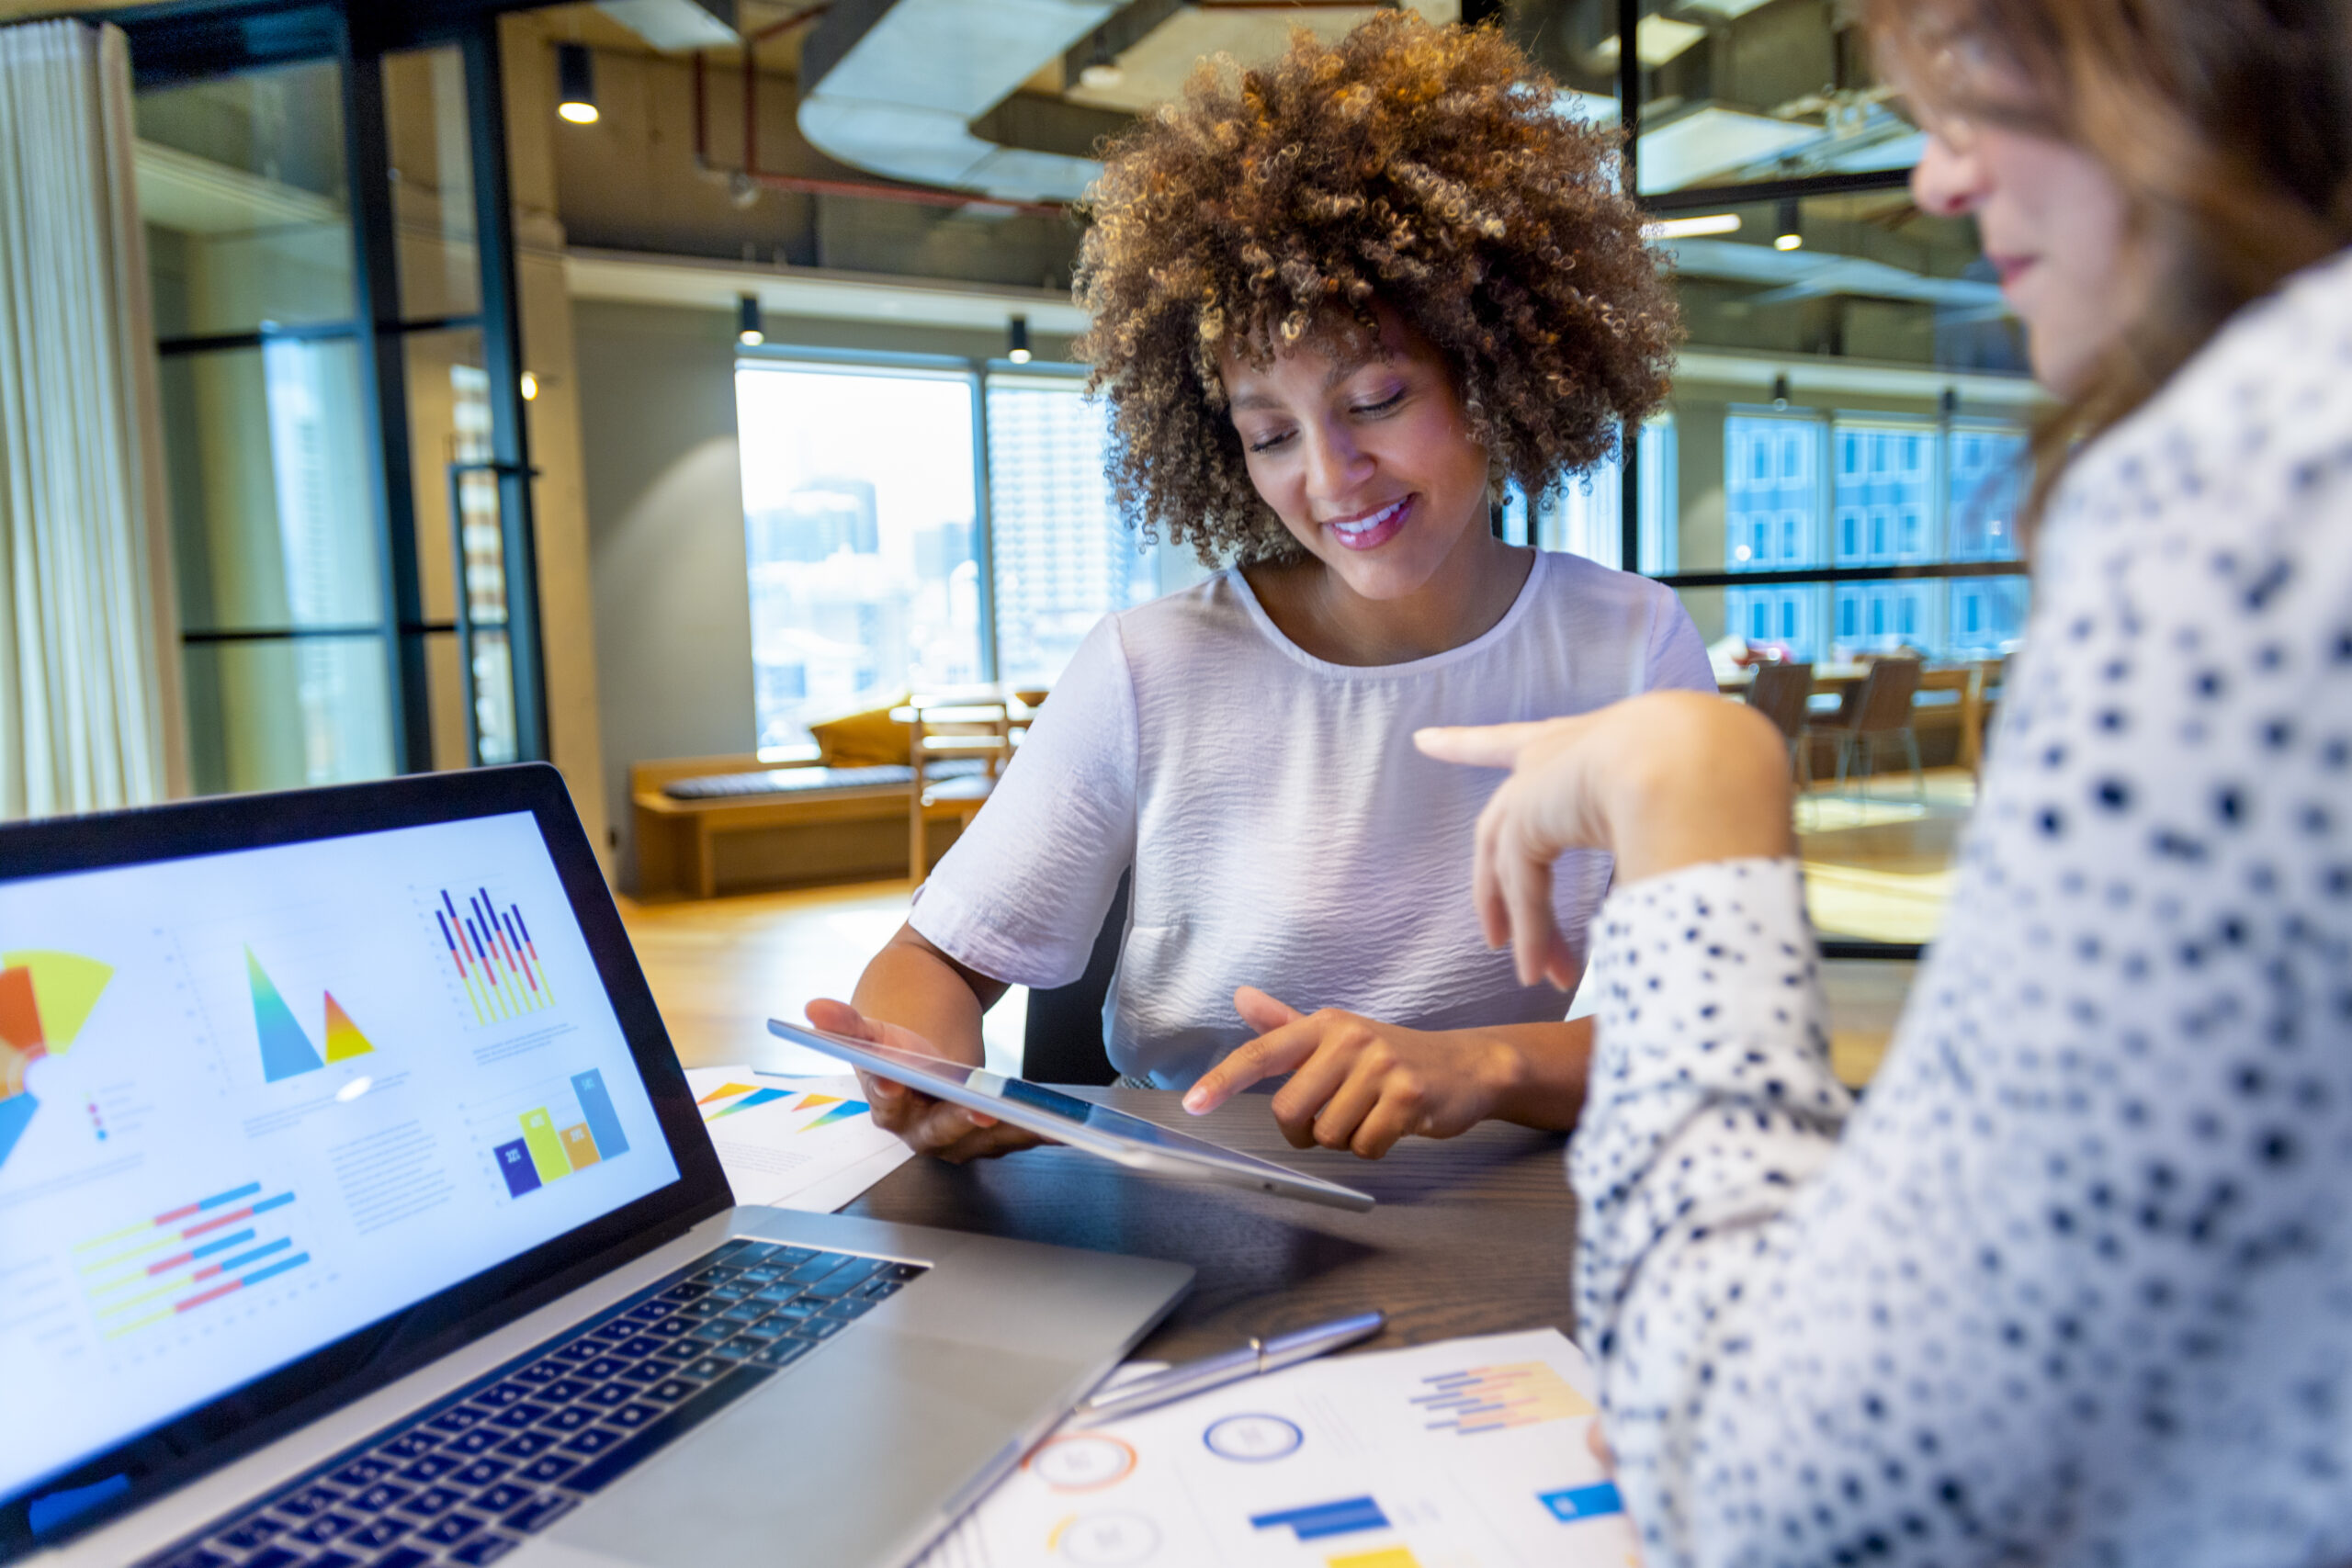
[(1425, 168)]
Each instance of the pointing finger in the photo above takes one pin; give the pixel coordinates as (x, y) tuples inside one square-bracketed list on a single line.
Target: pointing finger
[(1280, 1050), (1484, 746)]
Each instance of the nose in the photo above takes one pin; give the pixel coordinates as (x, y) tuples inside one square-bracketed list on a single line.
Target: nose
[(1336, 465), (1950, 180)]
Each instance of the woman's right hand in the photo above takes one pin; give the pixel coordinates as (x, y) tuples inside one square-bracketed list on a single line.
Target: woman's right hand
[(1661, 781), (928, 1126)]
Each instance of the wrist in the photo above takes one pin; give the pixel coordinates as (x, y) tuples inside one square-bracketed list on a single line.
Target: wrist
[(1723, 793)]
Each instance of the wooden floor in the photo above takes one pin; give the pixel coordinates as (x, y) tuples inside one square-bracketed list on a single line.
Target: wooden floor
[(1876, 867)]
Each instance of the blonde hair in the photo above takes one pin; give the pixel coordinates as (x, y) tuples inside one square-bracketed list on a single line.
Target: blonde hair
[(2227, 123)]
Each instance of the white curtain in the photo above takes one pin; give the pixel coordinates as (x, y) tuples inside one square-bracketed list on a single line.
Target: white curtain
[(90, 713)]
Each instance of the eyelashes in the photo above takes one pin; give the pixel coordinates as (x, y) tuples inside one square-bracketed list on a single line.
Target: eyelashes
[(1362, 410)]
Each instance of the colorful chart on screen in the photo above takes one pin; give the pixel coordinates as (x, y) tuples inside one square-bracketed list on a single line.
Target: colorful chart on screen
[(489, 955), (1467, 1454), (249, 1104), (45, 997), (579, 1131)]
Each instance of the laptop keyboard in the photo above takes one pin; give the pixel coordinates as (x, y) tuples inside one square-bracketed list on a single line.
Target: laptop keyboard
[(465, 1479)]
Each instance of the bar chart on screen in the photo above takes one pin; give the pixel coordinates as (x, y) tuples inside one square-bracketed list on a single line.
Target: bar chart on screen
[(487, 954), (204, 1255), (573, 1128)]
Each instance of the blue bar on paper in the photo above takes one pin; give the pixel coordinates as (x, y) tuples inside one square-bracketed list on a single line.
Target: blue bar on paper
[(1583, 1502), (247, 1191), (294, 1262), (1342, 1518), (515, 1164), (597, 1107), (223, 1245), (266, 1204)]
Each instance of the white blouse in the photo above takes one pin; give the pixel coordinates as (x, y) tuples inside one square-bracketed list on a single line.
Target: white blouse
[(2073, 1283), (1284, 833)]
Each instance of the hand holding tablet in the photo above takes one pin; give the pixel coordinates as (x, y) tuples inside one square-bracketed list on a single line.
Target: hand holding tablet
[(995, 1101)]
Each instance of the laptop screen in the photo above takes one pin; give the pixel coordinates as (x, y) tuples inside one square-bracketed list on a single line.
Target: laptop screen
[(252, 1102)]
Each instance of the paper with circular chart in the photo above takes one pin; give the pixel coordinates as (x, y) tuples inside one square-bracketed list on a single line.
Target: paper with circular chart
[(1466, 1454)]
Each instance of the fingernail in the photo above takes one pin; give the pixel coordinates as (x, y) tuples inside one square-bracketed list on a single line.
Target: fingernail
[(1196, 1101)]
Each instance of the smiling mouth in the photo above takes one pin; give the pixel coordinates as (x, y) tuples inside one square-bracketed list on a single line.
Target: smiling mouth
[(1374, 528)]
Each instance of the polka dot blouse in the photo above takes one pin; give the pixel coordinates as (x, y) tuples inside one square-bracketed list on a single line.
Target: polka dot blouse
[(2073, 1283)]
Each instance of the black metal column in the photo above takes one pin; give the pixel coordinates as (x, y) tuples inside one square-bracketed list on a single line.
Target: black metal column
[(383, 378), (1628, 121), (502, 338)]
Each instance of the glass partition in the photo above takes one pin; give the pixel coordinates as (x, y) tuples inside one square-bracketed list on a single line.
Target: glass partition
[(246, 201)]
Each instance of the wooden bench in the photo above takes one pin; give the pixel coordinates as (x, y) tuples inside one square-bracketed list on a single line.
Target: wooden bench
[(855, 832)]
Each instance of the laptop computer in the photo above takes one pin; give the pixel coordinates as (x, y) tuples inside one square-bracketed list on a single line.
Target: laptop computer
[(354, 1214)]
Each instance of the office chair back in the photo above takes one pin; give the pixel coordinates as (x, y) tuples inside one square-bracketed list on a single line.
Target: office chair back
[(1062, 1041), (1780, 692), (1884, 705)]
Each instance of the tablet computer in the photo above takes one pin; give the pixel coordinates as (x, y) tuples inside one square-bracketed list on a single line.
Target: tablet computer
[(1125, 1140)]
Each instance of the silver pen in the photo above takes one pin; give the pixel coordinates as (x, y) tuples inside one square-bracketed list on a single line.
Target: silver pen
[(1213, 1372)]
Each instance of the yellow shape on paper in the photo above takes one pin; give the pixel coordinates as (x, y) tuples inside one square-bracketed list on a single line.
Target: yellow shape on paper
[(344, 1039), (725, 1091), (65, 987), (811, 1102), (1386, 1557)]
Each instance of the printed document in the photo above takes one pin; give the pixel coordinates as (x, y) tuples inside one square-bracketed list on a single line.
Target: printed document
[(793, 1142), (1470, 1453)]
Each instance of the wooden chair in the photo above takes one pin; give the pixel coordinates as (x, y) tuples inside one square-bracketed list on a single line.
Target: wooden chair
[(1880, 708), (952, 727), (1780, 692)]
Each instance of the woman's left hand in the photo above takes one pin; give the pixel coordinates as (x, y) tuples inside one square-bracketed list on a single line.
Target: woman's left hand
[(1357, 1083)]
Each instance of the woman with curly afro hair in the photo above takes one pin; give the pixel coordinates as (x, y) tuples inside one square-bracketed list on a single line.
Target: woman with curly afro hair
[(1336, 302)]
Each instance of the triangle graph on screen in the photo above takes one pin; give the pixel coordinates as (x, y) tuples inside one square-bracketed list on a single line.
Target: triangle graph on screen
[(45, 997), (286, 1048)]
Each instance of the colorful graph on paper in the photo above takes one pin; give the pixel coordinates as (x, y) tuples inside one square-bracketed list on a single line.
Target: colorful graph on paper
[(558, 1140), (155, 1270), (728, 1098), (287, 1050), (493, 953), (1495, 1399), (44, 998)]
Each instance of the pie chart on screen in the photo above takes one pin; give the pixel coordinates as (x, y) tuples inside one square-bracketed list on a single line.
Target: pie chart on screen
[(44, 999)]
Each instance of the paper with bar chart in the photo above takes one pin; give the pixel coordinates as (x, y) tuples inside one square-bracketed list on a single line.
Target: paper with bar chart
[(793, 1142), (248, 1105), (1470, 1453)]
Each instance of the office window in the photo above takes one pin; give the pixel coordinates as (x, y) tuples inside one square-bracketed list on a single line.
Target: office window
[(1985, 484), (1587, 518), (1769, 508), (1062, 559), (858, 502)]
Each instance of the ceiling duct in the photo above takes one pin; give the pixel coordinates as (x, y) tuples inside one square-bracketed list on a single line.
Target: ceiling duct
[(892, 87), (676, 26)]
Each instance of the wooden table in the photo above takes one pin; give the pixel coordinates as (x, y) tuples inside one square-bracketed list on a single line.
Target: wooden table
[(1838, 679), (1473, 1235)]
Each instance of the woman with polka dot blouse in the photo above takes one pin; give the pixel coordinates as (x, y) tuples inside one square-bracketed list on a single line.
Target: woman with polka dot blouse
[(2075, 1284)]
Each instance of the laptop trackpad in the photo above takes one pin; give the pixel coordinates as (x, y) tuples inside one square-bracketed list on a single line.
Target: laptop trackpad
[(838, 1461)]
